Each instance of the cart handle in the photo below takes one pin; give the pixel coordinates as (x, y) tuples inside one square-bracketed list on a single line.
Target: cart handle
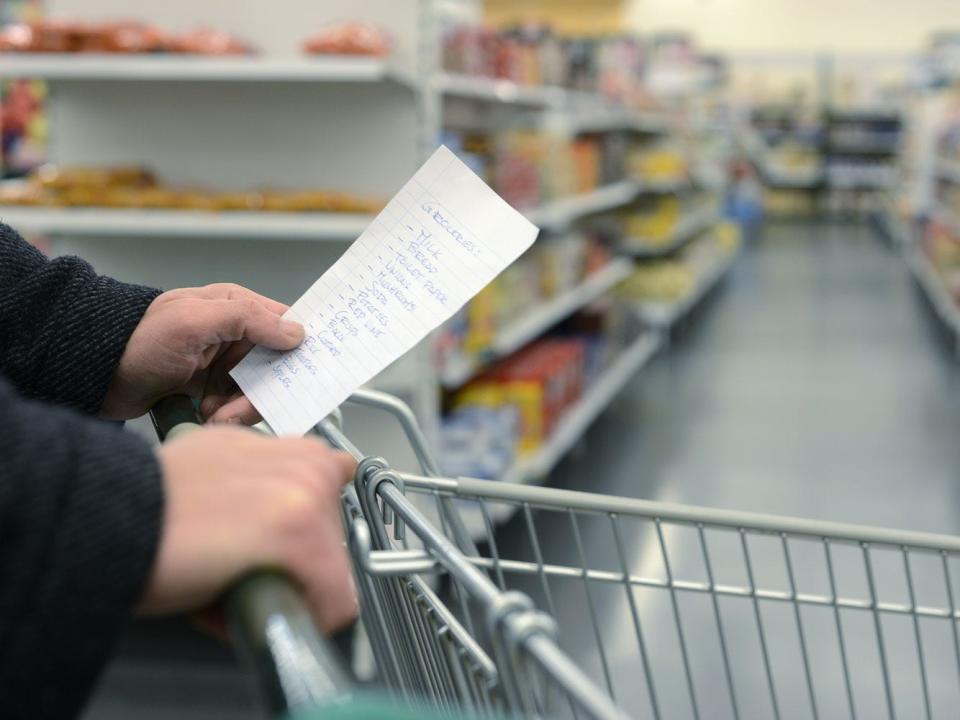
[(298, 668)]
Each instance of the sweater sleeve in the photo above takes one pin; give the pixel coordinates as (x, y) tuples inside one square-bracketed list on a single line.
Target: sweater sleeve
[(81, 505), (63, 328)]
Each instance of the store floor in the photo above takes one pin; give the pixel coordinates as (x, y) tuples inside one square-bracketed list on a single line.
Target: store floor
[(813, 383)]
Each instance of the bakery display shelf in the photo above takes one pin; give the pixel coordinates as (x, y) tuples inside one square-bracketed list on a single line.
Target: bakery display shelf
[(535, 467), (933, 287), (688, 228), (124, 222), (664, 315), (538, 320), (558, 214), (115, 67)]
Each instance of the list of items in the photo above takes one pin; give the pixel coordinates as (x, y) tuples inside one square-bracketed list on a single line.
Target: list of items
[(437, 243)]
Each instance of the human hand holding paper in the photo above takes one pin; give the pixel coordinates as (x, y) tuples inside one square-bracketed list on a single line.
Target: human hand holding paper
[(437, 243)]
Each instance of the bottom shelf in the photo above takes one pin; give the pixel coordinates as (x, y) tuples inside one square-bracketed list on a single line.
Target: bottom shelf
[(663, 315), (940, 298), (534, 468)]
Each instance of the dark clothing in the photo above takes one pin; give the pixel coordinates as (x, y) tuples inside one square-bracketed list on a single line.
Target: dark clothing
[(81, 501)]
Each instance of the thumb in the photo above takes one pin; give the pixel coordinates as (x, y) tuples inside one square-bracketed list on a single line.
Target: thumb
[(244, 319)]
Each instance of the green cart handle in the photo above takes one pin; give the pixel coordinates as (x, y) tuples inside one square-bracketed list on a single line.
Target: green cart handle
[(298, 668)]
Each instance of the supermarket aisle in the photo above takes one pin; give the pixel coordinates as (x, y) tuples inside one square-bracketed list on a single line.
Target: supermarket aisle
[(813, 381), (813, 385)]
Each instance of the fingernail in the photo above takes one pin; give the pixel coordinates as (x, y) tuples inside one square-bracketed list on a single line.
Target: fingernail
[(293, 330)]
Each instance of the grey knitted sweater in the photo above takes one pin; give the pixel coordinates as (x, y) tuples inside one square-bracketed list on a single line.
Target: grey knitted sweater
[(81, 500)]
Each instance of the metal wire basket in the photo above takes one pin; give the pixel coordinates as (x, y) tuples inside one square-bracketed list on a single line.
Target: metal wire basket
[(645, 609)]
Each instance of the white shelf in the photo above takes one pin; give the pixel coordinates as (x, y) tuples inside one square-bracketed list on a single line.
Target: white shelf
[(332, 68), (122, 222), (541, 318), (589, 119), (926, 275), (689, 227), (558, 214), (948, 170), (667, 185), (534, 468), (500, 91), (663, 315), (584, 111)]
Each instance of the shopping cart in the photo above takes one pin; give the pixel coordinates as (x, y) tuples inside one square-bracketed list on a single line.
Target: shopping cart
[(663, 610)]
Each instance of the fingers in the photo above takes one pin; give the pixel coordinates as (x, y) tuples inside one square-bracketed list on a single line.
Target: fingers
[(245, 319), (220, 388), (232, 291), (236, 410)]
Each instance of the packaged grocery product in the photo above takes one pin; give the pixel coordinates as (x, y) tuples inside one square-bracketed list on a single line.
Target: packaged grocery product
[(667, 280), (207, 41), (125, 37), (478, 442), (137, 187), (349, 39), (117, 36)]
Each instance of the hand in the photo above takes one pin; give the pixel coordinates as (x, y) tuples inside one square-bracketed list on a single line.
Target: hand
[(188, 341), (238, 501)]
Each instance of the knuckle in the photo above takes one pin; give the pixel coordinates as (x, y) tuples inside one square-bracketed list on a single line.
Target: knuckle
[(298, 512)]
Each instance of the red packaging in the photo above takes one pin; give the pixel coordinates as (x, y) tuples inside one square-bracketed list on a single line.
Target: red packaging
[(349, 39)]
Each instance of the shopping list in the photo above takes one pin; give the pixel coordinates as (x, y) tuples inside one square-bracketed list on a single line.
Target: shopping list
[(437, 243)]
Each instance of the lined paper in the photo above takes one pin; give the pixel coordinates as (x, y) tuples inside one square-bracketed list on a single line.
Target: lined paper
[(435, 245)]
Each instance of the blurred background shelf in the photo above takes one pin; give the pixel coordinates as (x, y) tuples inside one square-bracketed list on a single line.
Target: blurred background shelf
[(948, 170), (122, 222), (933, 287), (537, 320), (473, 87), (663, 315), (559, 213), (690, 225)]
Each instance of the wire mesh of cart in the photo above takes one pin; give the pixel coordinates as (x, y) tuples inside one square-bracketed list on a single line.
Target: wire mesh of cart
[(490, 598), (669, 611)]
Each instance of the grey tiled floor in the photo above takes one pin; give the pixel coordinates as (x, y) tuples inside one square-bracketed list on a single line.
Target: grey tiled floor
[(814, 383)]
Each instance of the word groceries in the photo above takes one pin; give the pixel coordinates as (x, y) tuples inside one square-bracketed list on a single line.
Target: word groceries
[(437, 243)]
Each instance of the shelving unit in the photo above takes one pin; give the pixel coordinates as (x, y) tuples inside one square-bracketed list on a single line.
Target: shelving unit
[(688, 228), (560, 213), (946, 215), (538, 320), (862, 145), (472, 87), (663, 315), (948, 170), (358, 124), (534, 468), (943, 304), (778, 177)]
